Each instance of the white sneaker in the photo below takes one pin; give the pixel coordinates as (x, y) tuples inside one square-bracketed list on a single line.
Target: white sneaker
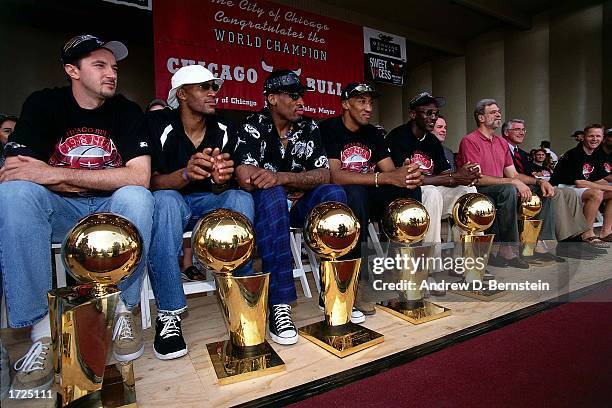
[(357, 316), (34, 370), (282, 329)]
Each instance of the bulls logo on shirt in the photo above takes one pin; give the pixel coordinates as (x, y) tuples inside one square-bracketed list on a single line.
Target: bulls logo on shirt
[(608, 167), (86, 151), (587, 169), (356, 158), (426, 164)]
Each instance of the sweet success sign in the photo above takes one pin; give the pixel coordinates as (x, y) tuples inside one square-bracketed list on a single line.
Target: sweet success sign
[(242, 41)]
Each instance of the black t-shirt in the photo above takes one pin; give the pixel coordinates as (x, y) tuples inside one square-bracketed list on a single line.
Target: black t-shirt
[(259, 145), (53, 128), (171, 149), (358, 151), (429, 153), (575, 164), (606, 158)]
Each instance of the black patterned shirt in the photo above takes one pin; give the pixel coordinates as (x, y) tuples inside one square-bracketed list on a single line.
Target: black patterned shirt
[(259, 145)]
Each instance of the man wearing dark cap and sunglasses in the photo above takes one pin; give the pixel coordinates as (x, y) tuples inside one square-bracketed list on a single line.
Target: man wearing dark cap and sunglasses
[(361, 163), (280, 156), (415, 141), (76, 150), (192, 169)]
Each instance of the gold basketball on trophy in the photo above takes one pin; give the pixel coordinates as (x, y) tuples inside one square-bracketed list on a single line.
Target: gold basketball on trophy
[(223, 240), (474, 212), (331, 230), (406, 221), (102, 249), (530, 208)]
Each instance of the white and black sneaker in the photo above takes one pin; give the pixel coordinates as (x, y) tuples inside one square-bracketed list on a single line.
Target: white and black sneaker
[(169, 342), (357, 315), (282, 329)]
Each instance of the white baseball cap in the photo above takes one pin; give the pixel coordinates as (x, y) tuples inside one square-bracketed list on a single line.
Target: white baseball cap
[(191, 74)]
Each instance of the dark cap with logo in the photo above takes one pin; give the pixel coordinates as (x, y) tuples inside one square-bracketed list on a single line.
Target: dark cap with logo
[(284, 81), (355, 89), (425, 98), (82, 45)]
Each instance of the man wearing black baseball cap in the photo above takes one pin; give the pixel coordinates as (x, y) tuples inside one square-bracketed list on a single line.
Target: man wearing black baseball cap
[(76, 150), (361, 163), (279, 156), (414, 141)]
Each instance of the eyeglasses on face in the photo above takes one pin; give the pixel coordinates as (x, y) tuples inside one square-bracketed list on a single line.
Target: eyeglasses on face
[(430, 112), (207, 86), (518, 130)]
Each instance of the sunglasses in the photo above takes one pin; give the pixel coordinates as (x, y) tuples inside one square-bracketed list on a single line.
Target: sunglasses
[(294, 95), (207, 86), (430, 112)]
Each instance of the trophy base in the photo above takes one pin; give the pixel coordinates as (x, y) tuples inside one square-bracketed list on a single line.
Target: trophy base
[(342, 340), (481, 293), (118, 390), (234, 364), (416, 312)]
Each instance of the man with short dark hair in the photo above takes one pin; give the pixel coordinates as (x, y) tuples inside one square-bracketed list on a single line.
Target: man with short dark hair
[(280, 156), (578, 136), (361, 163), (192, 169), (583, 170), (7, 125), (75, 151), (499, 179)]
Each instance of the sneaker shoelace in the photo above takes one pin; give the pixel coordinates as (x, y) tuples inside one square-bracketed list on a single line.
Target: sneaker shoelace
[(282, 318), (170, 328), (34, 358), (123, 328)]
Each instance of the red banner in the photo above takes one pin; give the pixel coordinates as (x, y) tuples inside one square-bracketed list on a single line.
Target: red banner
[(241, 41)]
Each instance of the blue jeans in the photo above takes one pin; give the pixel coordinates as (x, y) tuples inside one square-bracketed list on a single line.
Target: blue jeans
[(175, 213), (32, 217)]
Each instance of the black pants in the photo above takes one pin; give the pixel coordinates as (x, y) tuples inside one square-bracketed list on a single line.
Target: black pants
[(369, 203)]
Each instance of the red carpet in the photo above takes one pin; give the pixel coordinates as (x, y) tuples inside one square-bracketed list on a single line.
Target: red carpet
[(561, 357)]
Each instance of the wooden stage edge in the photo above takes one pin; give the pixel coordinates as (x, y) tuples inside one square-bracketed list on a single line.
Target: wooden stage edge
[(340, 379)]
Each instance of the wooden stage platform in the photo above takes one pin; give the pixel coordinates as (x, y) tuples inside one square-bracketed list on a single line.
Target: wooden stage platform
[(190, 381)]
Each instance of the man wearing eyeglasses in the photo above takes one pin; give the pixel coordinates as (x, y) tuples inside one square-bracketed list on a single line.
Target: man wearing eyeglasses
[(280, 156), (499, 179), (561, 212), (191, 173), (361, 163), (415, 142)]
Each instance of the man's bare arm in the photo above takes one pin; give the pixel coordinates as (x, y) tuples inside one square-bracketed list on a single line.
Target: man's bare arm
[(306, 180), (171, 181), (137, 172)]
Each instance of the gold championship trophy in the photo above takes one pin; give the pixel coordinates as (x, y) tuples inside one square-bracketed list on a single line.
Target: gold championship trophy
[(406, 221), (475, 212), (529, 229), (331, 230), (223, 240), (99, 252)]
